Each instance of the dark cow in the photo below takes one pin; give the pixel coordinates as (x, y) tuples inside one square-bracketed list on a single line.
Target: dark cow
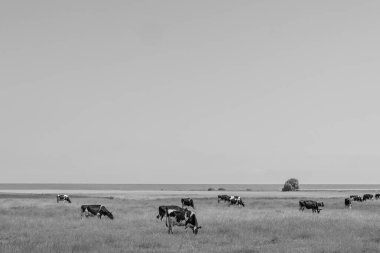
[(187, 202), (162, 210), (236, 200), (61, 197), (182, 217), (357, 198), (377, 196), (223, 197), (367, 196), (321, 204), (310, 204), (97, 210), (353, 196), (347, 202)]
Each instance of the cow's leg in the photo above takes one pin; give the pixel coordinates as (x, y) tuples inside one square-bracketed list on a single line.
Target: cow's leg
[(170, 228)]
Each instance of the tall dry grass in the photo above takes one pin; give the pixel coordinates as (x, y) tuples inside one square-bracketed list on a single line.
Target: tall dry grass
[(264, 225)]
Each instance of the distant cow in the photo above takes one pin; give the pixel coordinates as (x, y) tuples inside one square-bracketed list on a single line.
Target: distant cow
[(357, 198), (61, 197), (367, 196), (321, 204), (236, 200), (182, 217), (309, 204), (97, 210), (347, 202), (223, 197), (162, 210), (187, 202), (353, 196), (377, 196)]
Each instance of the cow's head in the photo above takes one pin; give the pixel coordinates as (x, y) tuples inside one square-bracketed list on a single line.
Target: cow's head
[(192, 223), (106, 212), (110, 215)]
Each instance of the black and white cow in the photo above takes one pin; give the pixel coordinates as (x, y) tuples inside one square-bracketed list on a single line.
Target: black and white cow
[(162, 210), (97, 210), (236, 200), (182, 217), (377, 196), (309, 204), (61, 197), (223, 197), (367, 196), (347, 202), (187, 202)]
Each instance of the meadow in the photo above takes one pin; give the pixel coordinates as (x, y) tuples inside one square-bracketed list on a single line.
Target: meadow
[(270, 222)]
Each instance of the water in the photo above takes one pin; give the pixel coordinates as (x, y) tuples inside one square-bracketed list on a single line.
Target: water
[(184, 187)]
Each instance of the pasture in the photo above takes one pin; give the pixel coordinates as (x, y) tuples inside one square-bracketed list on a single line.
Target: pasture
[(268, 223)]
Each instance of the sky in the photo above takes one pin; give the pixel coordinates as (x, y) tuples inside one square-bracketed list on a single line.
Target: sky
[(189, 91)]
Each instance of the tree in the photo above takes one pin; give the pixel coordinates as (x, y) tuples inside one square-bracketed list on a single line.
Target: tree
[(291, 185)]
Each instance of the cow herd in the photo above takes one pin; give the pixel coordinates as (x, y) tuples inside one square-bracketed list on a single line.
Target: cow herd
[(181, 216), (348, 201)]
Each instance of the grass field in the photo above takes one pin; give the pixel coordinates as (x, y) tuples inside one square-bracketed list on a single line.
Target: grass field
[(36, 223)]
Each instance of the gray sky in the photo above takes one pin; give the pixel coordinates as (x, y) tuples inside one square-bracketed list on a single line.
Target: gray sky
[(189, 91)]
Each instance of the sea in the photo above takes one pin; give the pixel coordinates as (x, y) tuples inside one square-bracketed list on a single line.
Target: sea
[(185, 187)]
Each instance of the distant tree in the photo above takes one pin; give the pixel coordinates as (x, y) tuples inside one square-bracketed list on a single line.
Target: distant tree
[(291, 185)]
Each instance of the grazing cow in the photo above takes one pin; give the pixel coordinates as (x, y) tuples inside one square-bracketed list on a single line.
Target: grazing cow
[(97, 210), (162, 210), (61, 197), (236, 201), (187, 202), (182, 217), (309, 204), (347, 202), (377, 196), (223, 197), (367, 196)]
